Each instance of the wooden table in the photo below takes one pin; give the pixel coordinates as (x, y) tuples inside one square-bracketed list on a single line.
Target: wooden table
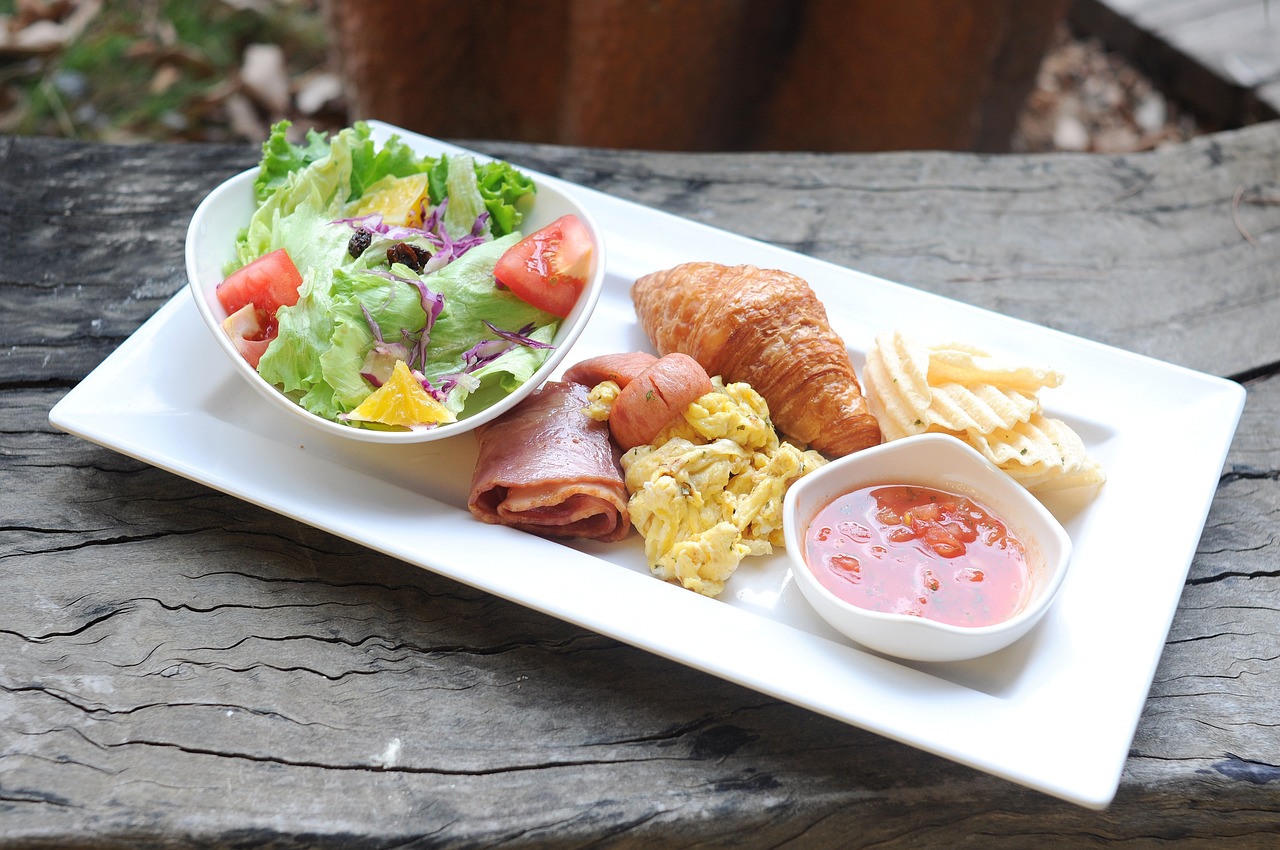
[(180, 668)]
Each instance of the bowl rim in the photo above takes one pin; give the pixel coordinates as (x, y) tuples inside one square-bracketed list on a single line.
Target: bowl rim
[(571, 328), (1033, 610)]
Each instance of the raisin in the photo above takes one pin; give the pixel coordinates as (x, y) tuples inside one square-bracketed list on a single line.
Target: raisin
[(410, 255), (359, 242)]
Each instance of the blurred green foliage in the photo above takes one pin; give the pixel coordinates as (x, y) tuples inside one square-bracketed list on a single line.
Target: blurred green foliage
[(149, 69)]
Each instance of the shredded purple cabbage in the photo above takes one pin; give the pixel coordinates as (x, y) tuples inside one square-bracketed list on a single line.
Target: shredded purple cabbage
[(432, 304), (489, 350), (380, 362), (520, 337), (413, 346), (483, 353), (432, 230)]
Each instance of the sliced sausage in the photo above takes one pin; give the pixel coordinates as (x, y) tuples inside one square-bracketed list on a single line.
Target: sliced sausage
[(655, 397), (622, 369)]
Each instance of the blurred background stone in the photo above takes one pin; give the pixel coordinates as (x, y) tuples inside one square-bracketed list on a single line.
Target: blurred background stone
[(1087, 98), (755, 74), (1219, 57)]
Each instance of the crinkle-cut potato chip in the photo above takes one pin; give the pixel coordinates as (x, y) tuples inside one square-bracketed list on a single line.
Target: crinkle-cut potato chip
[(964, 364), (990, 403), (1088, 475), (1041, 454), (898, 368), (1040, 441), (907, 399), (983, 408)]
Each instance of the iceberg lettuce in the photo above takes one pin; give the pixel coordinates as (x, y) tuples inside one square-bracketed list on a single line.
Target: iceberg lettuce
[(348, 305)]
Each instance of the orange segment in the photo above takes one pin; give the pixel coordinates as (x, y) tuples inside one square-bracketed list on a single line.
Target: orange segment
[(397, 198), (402, 402)]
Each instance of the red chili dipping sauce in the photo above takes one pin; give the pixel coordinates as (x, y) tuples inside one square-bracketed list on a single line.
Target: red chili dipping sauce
[(919, 551)]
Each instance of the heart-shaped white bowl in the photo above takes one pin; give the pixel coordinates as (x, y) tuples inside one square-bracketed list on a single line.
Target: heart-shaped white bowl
[(945, 463)]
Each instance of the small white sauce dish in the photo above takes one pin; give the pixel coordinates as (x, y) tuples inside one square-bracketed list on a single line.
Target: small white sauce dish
[(210, 245), (945, 463)]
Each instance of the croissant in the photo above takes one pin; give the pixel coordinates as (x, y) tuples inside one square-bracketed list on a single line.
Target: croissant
[(766, 328)]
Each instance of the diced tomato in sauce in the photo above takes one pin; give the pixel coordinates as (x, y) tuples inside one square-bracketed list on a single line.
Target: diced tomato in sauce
[(919, 551)]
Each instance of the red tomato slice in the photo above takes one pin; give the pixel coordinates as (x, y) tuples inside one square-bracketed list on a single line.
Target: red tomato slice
[(548, 269), (268, 283)]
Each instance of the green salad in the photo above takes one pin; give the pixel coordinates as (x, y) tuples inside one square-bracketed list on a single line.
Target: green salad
[(360, 257)]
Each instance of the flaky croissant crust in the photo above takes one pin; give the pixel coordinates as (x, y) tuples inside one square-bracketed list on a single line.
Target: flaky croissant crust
[(767, 328)]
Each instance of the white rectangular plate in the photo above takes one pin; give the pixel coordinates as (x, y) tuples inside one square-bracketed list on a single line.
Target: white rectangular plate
[(1055, 712)]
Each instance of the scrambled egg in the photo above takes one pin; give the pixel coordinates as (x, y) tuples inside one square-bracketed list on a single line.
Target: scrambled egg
[(708, 491)]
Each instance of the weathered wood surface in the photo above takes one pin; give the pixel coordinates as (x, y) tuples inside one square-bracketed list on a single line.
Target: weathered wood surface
[(179, 668)]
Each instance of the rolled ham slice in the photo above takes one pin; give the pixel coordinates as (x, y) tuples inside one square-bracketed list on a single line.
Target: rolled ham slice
[(546, 468)]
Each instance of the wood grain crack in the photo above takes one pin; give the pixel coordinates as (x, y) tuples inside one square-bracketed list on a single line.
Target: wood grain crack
[(554, 764), (24, 795), (84, 627), (119, 540), (465, 595), (1240, 472), (1222, 576), (1256, 373)]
